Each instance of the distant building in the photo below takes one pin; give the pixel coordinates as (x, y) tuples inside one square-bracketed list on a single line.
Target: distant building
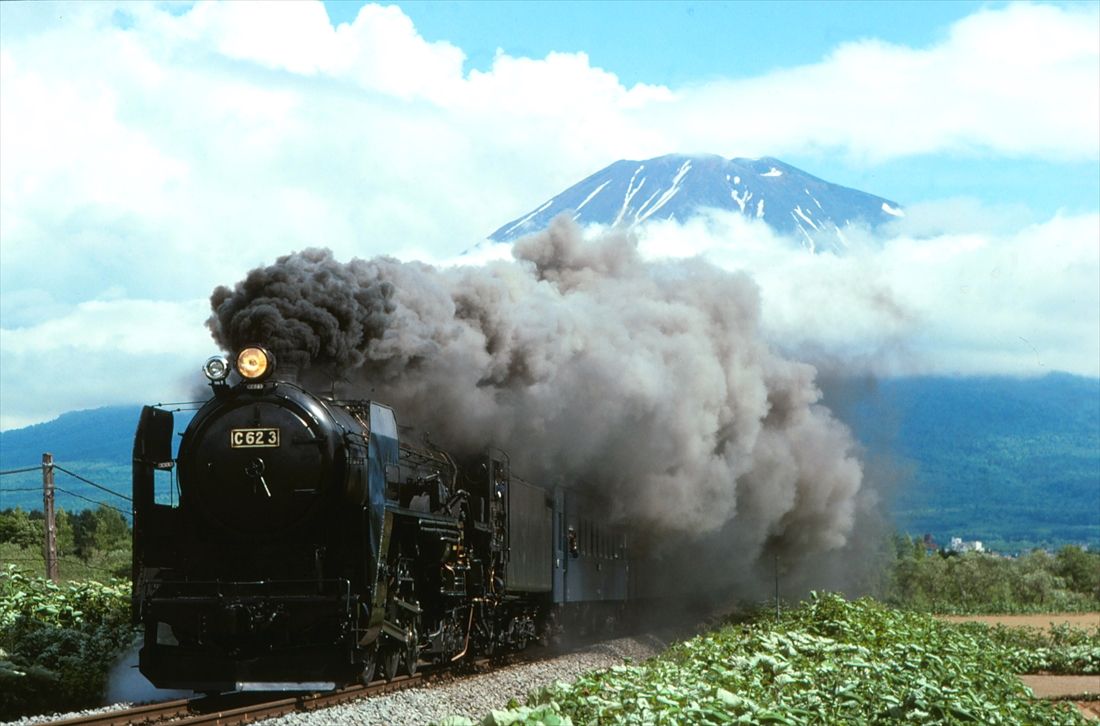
[(958, 545)]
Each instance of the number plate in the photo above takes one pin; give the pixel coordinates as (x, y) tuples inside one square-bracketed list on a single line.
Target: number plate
[(253, 438)]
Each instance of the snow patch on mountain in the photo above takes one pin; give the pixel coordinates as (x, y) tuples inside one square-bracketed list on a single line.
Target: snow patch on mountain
[(895, 212), (678, 187), (588, 199)]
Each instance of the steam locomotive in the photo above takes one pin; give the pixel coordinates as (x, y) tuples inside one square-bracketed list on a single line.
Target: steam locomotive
[(302, 544)]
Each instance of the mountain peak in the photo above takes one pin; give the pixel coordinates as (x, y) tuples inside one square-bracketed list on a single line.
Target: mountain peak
[(679, 186)]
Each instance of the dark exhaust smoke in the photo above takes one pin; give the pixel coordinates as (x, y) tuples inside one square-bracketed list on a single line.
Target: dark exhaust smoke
[(647, 381)]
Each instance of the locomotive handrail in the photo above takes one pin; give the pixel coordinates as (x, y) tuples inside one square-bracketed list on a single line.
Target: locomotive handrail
[(257, 583), (196, 404), (300, 590)]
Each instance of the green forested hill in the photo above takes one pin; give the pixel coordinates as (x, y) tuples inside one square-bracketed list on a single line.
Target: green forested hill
[(1012, 462), (95, 444), (100, 434)]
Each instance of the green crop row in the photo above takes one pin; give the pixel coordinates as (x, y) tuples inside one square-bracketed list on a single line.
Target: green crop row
[(58, 642), (829, 661)]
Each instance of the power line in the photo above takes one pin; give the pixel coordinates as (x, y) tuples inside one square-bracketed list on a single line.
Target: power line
[(21, 489), (103, 504), (88, 481), (21, 471)]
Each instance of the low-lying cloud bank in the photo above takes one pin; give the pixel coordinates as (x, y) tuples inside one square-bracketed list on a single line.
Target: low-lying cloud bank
[(997, 298)]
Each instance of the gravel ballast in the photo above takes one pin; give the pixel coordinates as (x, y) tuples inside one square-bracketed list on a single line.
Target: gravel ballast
[(473, 696), (477, 695)]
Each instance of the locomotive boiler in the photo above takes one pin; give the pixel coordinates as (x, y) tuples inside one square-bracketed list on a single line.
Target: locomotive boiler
[(302, 543)]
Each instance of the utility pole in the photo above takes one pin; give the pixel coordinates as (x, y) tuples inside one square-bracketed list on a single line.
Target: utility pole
[(777, 616), (51, 521)]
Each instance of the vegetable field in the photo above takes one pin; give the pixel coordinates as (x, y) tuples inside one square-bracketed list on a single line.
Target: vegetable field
[(829, 661)]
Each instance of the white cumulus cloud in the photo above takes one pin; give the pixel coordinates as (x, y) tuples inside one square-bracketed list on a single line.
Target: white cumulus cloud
[(98, 353), (149, 153), (1019, 80)]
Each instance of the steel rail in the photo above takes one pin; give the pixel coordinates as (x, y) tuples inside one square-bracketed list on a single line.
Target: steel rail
[(146, 713), (240, 708)]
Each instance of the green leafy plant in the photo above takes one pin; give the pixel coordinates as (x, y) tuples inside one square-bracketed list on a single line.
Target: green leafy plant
[(828, 661), (57, 642)]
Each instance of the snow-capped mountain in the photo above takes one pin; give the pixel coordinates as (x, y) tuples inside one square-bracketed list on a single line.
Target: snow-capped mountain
[(677, 187)]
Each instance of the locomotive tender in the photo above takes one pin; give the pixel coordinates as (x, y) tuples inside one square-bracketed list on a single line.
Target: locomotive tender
[(310, 546)]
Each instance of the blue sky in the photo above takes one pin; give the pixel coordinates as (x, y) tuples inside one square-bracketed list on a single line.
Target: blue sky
[(672, 43), (150, 152), (685, 43)]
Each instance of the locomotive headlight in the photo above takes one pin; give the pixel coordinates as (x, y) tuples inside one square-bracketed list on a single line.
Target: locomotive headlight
[(254, 364), (216, 368)]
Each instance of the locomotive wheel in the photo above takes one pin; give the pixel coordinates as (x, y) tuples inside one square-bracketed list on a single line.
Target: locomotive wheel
[(370, 665), (551, 631), (412, 650), (391, 660)]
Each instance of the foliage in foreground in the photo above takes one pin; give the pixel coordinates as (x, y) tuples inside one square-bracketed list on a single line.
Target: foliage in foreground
[(829, 661), (58, 642)]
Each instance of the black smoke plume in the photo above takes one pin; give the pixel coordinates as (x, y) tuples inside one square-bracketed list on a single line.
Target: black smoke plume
[(647, 381)]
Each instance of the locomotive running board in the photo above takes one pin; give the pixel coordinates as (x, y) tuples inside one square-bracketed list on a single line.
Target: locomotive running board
[(245, 686)]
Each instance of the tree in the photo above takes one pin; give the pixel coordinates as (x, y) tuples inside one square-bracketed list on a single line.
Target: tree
[(1036, 583), (18, 527), (112, 532), (102, 529), (1080, 570), (66, 545)]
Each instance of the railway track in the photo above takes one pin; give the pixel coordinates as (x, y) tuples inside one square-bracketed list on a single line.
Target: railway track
[(241, 708), (230, 709)]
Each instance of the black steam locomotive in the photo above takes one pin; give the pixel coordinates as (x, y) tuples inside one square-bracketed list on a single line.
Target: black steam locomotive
[(302, 544)]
